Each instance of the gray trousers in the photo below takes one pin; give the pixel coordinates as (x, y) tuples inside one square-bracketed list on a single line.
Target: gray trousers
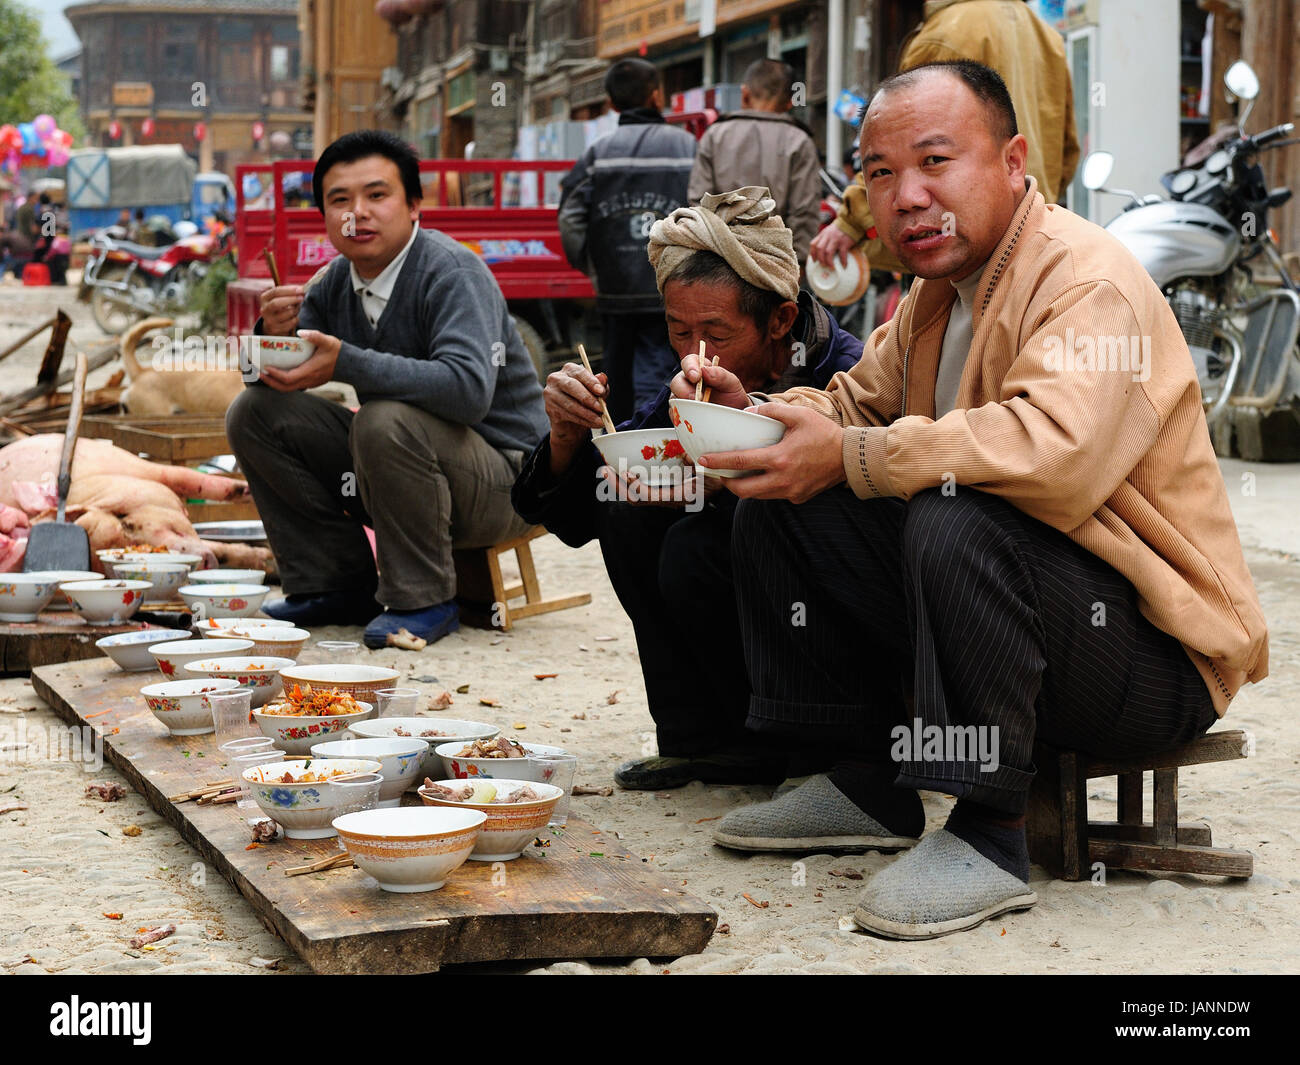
[(319, 473)]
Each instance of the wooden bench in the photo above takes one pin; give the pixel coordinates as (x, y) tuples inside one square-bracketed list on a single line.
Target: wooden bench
[(485, 599), (1064, 841)]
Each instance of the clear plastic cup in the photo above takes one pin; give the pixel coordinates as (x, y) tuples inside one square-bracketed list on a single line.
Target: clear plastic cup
[(360, 791), (558, 770), (241, 762), (338, 650), (397, 702), (232, 714)]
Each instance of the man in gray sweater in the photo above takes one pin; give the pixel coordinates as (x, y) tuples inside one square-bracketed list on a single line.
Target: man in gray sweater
[(450, 405)]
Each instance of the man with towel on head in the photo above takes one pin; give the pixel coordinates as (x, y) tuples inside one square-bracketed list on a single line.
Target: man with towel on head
[(728, 275)]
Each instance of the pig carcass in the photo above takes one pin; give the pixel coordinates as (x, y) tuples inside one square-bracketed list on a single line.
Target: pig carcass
[(117, 497)]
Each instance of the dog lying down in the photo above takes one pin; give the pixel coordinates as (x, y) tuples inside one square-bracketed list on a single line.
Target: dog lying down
[(155, 391)]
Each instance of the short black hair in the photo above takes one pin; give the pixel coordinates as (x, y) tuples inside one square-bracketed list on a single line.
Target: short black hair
[(360, 145), (629, 83), (770, 79), (985, 82), (712, 269)]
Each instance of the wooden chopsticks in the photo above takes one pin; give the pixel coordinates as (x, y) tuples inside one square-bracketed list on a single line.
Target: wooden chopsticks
[(604, 411), (269, 256), (334, 861), (702, 393)]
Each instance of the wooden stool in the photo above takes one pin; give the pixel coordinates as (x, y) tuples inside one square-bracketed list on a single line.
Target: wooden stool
[(1062, 839), (483, 596)]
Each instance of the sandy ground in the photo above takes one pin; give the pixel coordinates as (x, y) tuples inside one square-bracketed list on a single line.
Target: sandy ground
[(64, 861)]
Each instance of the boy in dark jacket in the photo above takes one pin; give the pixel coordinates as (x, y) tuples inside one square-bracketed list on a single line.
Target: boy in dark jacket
[(622, 185)]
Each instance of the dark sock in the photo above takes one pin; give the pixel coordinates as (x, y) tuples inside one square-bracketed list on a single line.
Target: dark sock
[(871, 789), (998, 835)]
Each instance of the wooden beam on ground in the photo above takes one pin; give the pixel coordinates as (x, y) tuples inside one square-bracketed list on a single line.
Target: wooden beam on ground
[(99, 356), (53, 359)]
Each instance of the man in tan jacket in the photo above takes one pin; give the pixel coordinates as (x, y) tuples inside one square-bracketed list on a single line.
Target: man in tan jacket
[(1006, 522), (1030, 57), (763, 144)]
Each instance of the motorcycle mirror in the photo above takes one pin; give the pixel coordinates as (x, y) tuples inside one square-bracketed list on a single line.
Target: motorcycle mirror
[(1096, 169), (1241, 80)]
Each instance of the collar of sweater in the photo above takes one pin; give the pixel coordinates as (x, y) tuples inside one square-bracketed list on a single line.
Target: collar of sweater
[(639, 116)]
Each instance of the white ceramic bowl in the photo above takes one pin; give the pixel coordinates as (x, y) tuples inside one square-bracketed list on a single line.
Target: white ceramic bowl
[(108, 557), (296, 733), (491, 768), (65, 576), (656, 456), (361, 682), (399, 758), (245, 623), (708, 429), (305, 809), (209, 600), (182, 705), (414, 848), (165, 577), (105, 601), (267, 639), (24, 595), (261, 673), (130, 650), (451, 730), (174, 655), (510, 826), (843, 283), (282, 353), (228, 576)]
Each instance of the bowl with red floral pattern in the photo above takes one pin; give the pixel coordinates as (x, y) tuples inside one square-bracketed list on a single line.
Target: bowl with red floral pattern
[(105, 602), (654, 456)]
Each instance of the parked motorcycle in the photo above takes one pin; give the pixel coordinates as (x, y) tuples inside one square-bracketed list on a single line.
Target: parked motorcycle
[(1199, 246), (126, 282)]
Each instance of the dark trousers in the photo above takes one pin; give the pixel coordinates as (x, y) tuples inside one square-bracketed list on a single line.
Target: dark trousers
[(319, 473), (672, 574), (638, 359), (969, 610)]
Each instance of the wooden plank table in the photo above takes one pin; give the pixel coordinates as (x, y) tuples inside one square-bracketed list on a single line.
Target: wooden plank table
[(55, 636), (583, 896)]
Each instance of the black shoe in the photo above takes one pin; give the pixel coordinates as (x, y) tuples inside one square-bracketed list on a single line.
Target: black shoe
[(655, 774), (325, 608)]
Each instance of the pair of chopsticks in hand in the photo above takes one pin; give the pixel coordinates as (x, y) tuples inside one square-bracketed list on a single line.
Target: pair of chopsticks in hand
[(700, 389)]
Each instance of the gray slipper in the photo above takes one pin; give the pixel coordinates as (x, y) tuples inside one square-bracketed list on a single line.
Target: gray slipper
[(814, 816), (944, 885)]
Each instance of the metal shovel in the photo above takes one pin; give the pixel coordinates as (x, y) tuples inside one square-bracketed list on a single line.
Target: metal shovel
[(59, 544)]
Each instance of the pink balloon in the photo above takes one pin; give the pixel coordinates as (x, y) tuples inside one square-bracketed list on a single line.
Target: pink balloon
[(58, 155), (44, 125)]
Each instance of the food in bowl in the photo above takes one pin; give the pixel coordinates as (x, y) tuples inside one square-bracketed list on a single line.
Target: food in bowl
[(285, 642), (297, 793), (296, 733), (431, 765), (461, 767), (173, 654), (516, 811), (361, 681), (501, 747), (280, 353), (306, 701)]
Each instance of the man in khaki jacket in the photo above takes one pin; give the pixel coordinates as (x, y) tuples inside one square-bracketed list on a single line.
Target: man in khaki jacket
[(763, 144), (1030, 57), (1006, 522)]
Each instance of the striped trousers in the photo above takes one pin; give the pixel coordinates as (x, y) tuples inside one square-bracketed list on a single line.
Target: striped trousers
[(944, 612)]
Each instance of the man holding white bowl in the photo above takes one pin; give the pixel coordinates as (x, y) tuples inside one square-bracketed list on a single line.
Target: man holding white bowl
[(984, 544), (450, 405), (729, 276)]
